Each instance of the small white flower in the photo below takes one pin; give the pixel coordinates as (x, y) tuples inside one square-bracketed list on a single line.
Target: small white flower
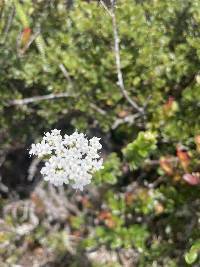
[(94, 142), (72, 159)]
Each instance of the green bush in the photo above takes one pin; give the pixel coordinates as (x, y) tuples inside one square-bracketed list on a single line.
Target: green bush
[(146, 203)]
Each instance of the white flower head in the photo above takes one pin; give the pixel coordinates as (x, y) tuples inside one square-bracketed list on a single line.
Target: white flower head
[(69, 159)]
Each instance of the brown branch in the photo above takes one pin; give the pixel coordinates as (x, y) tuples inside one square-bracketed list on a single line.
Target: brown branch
[(35, 99), (130, 119), (32, 39), (120, 82), (98, 109), (105, 7), (65, 73), (29, 100)]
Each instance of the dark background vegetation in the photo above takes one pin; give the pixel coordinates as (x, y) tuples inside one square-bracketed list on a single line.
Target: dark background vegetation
[(128, 72)]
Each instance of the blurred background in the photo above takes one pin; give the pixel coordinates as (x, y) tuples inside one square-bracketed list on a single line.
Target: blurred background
[(126, 71)]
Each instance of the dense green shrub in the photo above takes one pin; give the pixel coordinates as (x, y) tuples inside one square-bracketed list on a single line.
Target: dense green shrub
[(149, 187)]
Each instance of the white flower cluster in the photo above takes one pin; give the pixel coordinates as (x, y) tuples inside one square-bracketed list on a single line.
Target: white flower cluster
[(72, 159)]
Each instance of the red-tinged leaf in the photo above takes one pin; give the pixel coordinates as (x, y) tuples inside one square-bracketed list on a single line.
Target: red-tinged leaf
[(168, 105), (107, 218), (166, 165), (184, 157), (26, 34), (110, 223), (192, 179), (104, 215)]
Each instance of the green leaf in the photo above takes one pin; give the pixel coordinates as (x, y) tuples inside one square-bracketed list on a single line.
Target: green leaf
[(140, 148), (191, 257)]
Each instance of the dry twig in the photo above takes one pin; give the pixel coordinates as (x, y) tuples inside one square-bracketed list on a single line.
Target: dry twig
[(35, 99), (26, 47), (65, 73), (28, 100), (130, 119), (120, 82)]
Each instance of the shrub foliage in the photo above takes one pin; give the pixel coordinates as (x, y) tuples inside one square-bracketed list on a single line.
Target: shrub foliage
[(147, 196)]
